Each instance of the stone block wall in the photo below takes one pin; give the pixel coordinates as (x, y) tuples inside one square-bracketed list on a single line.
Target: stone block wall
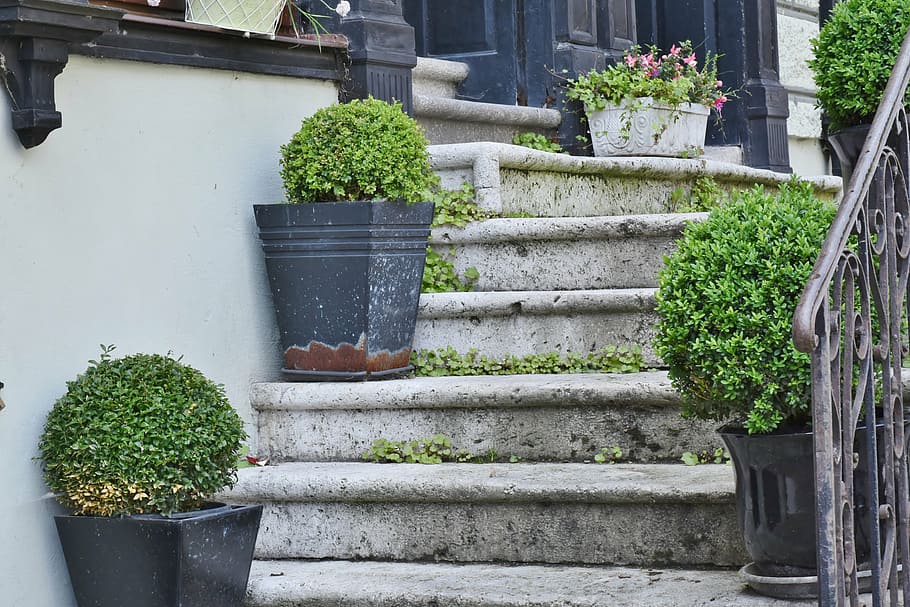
[(797, 24)]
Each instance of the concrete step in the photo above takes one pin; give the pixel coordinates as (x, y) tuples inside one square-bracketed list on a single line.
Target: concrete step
[(513, 179), (448, 121), (647, 514), (299, 583), (534, 417), (498, 323), (438, 77), (564, 253)]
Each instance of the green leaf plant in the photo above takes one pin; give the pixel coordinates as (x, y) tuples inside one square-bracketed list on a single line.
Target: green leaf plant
[(853, 56), (726, 300), (140, 434), (361, 150)]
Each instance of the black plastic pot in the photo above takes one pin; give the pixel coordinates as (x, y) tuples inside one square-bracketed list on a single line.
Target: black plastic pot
[(775, 499), (345, 280), (847, 144), (197, 559)]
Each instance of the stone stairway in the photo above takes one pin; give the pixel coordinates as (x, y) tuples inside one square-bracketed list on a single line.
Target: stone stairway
[(553, 528), (582, 274)]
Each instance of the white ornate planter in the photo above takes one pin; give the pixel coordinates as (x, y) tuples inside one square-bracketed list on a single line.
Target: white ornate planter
[(643, 128), (255, 16)]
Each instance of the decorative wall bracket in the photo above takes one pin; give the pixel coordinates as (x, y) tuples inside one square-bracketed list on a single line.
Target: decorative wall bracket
[(35, 39)]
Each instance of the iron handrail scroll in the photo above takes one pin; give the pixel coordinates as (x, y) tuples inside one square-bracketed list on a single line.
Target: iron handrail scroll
[(849, 319)]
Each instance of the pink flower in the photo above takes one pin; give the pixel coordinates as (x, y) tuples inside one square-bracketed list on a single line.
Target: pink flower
[(719, 83), (631, 60), (719, 102), (653, 73), (648, 60), (690, 60), (674, 50)]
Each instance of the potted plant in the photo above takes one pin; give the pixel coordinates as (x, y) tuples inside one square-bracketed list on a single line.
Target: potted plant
[(726, 300), (345, 257), (134, 448), (853, 57), (650, 103)]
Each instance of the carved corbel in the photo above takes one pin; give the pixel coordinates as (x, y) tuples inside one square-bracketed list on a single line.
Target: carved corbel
[(35, 38)]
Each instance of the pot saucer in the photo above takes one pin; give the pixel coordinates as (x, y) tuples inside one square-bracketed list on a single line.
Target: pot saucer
[(796, 587)]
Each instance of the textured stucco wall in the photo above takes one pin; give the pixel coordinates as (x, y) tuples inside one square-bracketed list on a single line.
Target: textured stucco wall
[(797, 24), (130, 225)]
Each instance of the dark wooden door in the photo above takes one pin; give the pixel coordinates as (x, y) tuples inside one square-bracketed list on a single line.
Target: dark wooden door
[(512, 46), (482, 33)]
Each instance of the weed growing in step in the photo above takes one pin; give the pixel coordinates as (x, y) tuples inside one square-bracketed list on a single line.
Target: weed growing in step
[(718, 456), (435, 450), (535, 141), (452, 208), (611, 359), (609, 455), (458, 207), (704, 196), (439, 275)]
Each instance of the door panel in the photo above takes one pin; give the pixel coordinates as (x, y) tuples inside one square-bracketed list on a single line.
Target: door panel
[(481, 33)]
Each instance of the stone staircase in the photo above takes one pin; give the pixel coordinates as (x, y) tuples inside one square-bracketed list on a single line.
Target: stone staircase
[(553, 528)]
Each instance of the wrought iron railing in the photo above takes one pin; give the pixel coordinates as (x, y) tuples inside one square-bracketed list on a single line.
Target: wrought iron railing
[(852, 320)]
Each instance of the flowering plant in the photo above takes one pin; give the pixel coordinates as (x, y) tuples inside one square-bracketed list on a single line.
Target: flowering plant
[(672, 79)]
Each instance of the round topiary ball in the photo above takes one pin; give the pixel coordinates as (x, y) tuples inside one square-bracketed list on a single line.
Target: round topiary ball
[(361, 150), (854, 54), (726, 300), (140, 434)]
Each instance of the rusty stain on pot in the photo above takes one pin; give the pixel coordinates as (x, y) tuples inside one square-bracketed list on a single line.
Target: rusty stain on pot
[(318, 356)]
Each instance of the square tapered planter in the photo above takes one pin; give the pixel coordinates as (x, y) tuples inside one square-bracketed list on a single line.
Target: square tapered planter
[(197, 559), (345, 279)]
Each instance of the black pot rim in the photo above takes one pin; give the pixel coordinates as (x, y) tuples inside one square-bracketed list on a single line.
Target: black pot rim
[(736, 429), (850, 130), (209, 510), (285, 203)]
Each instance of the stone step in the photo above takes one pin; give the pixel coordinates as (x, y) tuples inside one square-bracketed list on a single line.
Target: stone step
[(378, 584), (563, 253), (639, 514), (438, 77), (498, 323), (533, 417), (448, 121), (512, 179)]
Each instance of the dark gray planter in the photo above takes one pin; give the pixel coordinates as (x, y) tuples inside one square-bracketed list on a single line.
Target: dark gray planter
[(196, 559), (345, 280), (775, 499), (847, 144)]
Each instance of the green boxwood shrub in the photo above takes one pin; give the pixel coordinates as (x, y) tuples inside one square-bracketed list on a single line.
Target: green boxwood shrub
[(361, 150), (854, 54), (140, 434), (726, 300)]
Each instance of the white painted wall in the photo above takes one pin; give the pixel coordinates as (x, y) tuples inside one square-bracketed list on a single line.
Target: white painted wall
[(130, 225), (797, 24)]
